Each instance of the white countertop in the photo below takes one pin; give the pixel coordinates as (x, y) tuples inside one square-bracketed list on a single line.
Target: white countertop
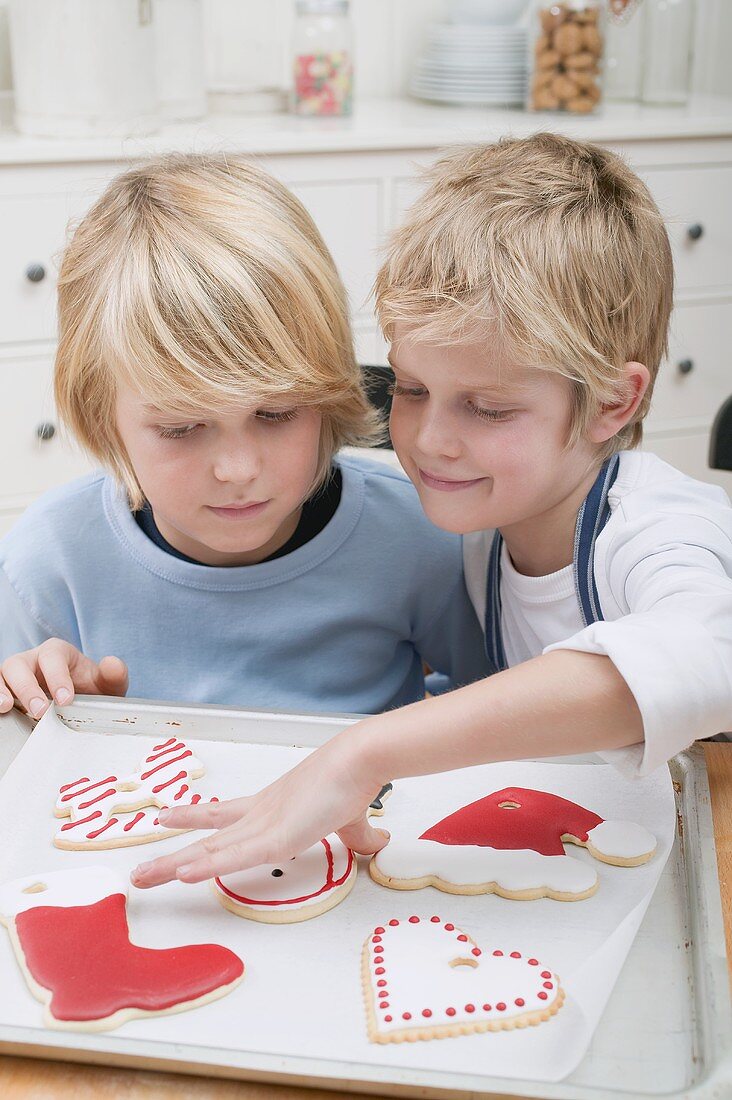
[(377, 124)]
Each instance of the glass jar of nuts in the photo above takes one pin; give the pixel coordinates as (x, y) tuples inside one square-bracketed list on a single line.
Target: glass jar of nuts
[(566, 44)]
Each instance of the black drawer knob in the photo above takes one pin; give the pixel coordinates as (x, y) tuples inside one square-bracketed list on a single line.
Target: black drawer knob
[(35, 273), (46, 430), (686, 366), (694, 232)]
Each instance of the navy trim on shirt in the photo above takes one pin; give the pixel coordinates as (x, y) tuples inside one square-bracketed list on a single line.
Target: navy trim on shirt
[(317, 512)]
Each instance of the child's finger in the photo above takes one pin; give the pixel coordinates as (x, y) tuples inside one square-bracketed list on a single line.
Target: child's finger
[(25, 686), (205, 815), (6, 697), (111, 677), (165, 868), (361, 837), (238, 856), (54, 665)]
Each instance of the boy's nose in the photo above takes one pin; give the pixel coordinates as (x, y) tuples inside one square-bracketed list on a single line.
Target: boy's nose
[(437, 437), (237, 465)]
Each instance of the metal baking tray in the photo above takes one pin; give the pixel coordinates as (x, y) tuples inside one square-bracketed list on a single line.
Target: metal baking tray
[(666, 1031)]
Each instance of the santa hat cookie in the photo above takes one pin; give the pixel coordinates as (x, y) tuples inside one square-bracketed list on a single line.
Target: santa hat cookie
[(512, 843), (295, 890), (113, 812), (70, 936), (423, 978)]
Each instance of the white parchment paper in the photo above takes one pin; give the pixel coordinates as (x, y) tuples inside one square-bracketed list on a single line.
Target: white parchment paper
[(302, 991)]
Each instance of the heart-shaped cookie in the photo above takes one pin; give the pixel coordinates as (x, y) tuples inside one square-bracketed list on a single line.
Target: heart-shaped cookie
[(424, 978)]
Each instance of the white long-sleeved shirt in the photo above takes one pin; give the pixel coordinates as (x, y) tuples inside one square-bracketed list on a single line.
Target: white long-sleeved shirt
[(663, 570)]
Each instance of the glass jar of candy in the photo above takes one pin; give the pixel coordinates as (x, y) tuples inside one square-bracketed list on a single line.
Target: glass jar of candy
[(566, 50), (322, 58)]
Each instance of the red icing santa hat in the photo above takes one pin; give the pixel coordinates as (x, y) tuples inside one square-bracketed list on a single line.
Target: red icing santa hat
[(517, 818)]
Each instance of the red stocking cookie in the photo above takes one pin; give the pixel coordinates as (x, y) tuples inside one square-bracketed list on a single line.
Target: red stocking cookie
[(298, 889), (70, 936), (426, 979), (114, 812), (511, 843)]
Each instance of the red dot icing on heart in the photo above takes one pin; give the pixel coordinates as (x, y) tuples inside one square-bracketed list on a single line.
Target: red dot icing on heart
[(414, 920), (393, 923), (379, 930), (515, 954), (548, 985), (379, 959), (476, 951), (435, 920), (383, 1004), (486, 1008), (533, 962), (463, 938), (381, 981), (520, 1002), (449, 927), (427, 1012), (470, 1008), (497, 952), (546, 973), (380, 970), (449, 1011), (376, 939), (406, 1015), (387, 1019), (501, 1006), (542, 996)]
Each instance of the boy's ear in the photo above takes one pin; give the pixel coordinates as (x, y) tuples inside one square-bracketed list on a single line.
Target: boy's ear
[(612, 418)]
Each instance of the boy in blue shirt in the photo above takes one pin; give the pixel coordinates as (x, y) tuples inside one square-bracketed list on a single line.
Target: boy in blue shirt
[(227, 556)]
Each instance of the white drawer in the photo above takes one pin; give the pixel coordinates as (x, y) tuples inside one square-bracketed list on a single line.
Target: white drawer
[(29, 464), (696, 197), (348, 214), (688, 452), (701, 346), (33, 233)]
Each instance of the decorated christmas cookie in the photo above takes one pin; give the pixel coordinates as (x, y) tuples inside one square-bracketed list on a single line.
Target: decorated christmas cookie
[(376, 808), (426, 979), (512, 843), (70, 936), (113, 812), (301, 888)]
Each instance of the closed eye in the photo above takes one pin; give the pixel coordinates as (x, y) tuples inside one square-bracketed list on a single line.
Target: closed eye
[(497, 416), (277, 416), (395, 390), (166, 431)]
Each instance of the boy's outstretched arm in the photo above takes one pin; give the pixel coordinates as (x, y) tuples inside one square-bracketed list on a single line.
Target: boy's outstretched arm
[(560, 703)]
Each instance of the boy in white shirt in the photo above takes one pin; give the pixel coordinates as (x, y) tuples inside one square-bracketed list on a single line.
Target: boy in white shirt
[(527, 300)]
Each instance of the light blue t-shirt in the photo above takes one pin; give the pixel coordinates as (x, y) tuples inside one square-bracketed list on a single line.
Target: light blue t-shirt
[(340, 624)]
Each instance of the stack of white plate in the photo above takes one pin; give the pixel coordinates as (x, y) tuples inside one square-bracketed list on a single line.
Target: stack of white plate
[(474, 64)]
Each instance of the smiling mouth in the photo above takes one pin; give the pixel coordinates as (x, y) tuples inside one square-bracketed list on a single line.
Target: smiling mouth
[(447, 485)]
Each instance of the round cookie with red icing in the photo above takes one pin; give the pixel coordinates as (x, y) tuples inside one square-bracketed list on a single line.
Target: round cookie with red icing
[(424, 978), (511, 843), (296, 890), (70, 935)]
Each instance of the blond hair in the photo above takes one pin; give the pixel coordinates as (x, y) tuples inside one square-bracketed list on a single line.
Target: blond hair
[(552, 246), (203, 283)]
